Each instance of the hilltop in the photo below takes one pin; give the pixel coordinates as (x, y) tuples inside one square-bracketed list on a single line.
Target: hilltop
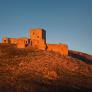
[(33, 70)]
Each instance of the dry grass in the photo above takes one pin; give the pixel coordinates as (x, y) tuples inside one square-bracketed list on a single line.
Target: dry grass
[(32, 70)]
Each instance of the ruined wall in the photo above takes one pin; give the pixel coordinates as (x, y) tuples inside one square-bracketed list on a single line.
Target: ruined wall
[(60, 48), (13, 40), (40, 44), (43, 45), (37, 40), (9, 40), (22, 42), (5, 40)]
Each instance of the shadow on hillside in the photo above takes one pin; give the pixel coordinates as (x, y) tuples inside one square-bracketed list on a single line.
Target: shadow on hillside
[(81, 57), (45, 88)]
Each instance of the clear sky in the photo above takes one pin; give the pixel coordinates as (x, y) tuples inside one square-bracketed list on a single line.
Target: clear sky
[(66, 21)]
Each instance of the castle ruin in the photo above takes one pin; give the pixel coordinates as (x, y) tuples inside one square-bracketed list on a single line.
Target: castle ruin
[(37, 40)]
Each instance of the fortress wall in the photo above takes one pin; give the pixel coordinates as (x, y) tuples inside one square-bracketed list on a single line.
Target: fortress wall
[(22, 42), (61, 48), (5, 40), (40, 44), (37, 40), (9, 40), (13, 40)]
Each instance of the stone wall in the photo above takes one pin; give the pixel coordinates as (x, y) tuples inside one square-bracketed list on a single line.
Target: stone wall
[(60, 48), (22, 42), (9, 40), (13, 40), (5, 40)]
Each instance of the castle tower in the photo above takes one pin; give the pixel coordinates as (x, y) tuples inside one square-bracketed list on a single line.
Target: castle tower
[(38, 34), (38, 38)]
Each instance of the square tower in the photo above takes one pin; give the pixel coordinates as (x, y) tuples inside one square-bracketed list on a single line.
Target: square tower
[(38, 38), (38, 34)]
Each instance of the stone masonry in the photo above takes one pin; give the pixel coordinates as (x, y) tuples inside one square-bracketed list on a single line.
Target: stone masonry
[(37, 40)]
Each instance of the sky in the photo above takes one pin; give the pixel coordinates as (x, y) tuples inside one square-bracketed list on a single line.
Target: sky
[(65, 21)]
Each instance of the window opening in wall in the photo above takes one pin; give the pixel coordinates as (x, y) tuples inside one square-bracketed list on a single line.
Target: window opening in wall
[(33, 33), (26, 42), (5, 41)]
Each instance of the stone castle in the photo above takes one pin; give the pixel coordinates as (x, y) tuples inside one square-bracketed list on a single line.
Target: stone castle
[(37, 40)]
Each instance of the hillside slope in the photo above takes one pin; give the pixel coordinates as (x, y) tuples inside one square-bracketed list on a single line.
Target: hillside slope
[(30, 70), (82, 56)]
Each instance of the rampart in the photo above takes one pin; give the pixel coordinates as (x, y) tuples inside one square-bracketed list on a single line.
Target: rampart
[(60, 48)]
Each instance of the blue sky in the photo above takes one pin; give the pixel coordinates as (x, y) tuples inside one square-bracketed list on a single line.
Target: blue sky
[(66, 21)]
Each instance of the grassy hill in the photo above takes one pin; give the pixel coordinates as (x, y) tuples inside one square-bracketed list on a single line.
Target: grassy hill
[(32, 70)]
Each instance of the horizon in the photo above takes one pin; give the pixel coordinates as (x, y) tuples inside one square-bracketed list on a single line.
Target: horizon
[(65, 21)]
